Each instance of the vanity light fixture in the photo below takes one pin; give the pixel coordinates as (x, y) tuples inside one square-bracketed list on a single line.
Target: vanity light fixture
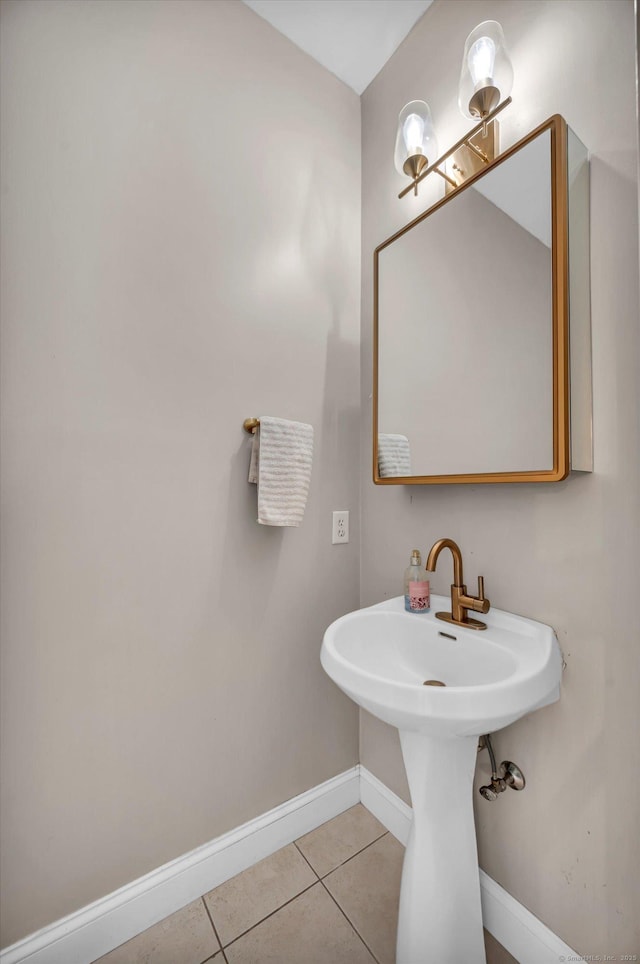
[(415, 140), (486, 77)]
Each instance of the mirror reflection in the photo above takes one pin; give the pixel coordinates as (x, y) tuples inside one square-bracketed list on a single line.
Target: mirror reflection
[(465, 329)]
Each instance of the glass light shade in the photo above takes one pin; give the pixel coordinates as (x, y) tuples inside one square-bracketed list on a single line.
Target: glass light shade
[(486, 77), (416, 144)]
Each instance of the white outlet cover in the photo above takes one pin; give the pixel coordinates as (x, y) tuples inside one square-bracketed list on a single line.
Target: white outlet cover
[(340, 527)]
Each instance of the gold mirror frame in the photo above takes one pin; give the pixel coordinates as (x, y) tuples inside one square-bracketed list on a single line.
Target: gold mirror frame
[(557, 127)]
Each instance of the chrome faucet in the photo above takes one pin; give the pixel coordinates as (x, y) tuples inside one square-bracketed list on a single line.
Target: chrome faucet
[(460, 601)]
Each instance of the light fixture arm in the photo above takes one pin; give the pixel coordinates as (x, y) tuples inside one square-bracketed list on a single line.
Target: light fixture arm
[(463, 140)]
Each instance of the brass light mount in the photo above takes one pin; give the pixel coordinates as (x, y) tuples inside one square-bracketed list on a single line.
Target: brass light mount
[(415, 164), (475, 154), (413, 167), (485, 99), (473, 146)]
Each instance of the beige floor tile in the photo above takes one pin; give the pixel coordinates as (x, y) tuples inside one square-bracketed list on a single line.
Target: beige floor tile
[(368, 888), (496, 953), (186, 936), (335, 841), (243, 901), (311, 929)]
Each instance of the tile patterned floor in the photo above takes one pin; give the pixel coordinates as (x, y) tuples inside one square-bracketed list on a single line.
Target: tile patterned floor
[(329, 898)]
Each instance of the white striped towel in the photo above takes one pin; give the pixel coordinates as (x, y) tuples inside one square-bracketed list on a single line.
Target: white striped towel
[(281, 458), (394, 456)]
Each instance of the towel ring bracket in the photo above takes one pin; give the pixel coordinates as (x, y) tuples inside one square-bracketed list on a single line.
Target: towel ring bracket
[(250, 425)]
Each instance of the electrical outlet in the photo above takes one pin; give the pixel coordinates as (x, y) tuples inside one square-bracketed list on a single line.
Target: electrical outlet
[(340, 530)]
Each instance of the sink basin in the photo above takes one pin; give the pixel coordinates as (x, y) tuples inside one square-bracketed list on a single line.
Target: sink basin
[(382, 657)]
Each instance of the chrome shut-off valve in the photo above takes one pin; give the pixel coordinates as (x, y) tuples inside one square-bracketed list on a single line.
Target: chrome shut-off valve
[(510, 774), (491, 791)]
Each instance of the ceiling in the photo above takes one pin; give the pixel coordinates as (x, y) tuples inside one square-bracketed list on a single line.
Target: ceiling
[(351, 38)]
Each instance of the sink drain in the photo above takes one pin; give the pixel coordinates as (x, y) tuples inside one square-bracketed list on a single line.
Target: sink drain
[(433, 682)]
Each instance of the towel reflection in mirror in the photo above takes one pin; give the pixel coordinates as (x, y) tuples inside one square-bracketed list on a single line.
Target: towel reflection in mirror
[(394, 455)]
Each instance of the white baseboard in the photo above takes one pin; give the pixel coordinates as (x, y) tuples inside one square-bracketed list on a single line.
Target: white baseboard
[(385, 805), (96, 929), (523, 935), (516, 928)]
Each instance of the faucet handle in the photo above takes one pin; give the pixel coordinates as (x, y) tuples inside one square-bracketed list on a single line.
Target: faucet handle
[(482, 603)]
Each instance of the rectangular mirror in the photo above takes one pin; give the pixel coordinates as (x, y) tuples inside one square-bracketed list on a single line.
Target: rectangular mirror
[(471, 319)]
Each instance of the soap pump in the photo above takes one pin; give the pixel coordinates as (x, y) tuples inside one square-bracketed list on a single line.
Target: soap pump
[(416, 586)]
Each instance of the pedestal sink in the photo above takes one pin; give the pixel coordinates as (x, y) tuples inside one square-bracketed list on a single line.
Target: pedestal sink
[(382, 657)]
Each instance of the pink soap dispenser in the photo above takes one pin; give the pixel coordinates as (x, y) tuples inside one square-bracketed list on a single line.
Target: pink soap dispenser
[(417, 597)]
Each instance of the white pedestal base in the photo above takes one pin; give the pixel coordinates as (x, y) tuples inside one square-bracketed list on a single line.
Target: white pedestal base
[(440, 919)]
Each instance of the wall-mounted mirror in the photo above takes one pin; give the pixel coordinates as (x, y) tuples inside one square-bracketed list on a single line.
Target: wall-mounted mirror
[(472, 377)]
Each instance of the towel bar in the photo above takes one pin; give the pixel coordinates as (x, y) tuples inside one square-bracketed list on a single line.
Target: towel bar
[(250, 425)]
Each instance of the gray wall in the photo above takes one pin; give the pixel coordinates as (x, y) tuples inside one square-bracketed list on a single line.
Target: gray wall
[(169, 268), (566, 554)]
